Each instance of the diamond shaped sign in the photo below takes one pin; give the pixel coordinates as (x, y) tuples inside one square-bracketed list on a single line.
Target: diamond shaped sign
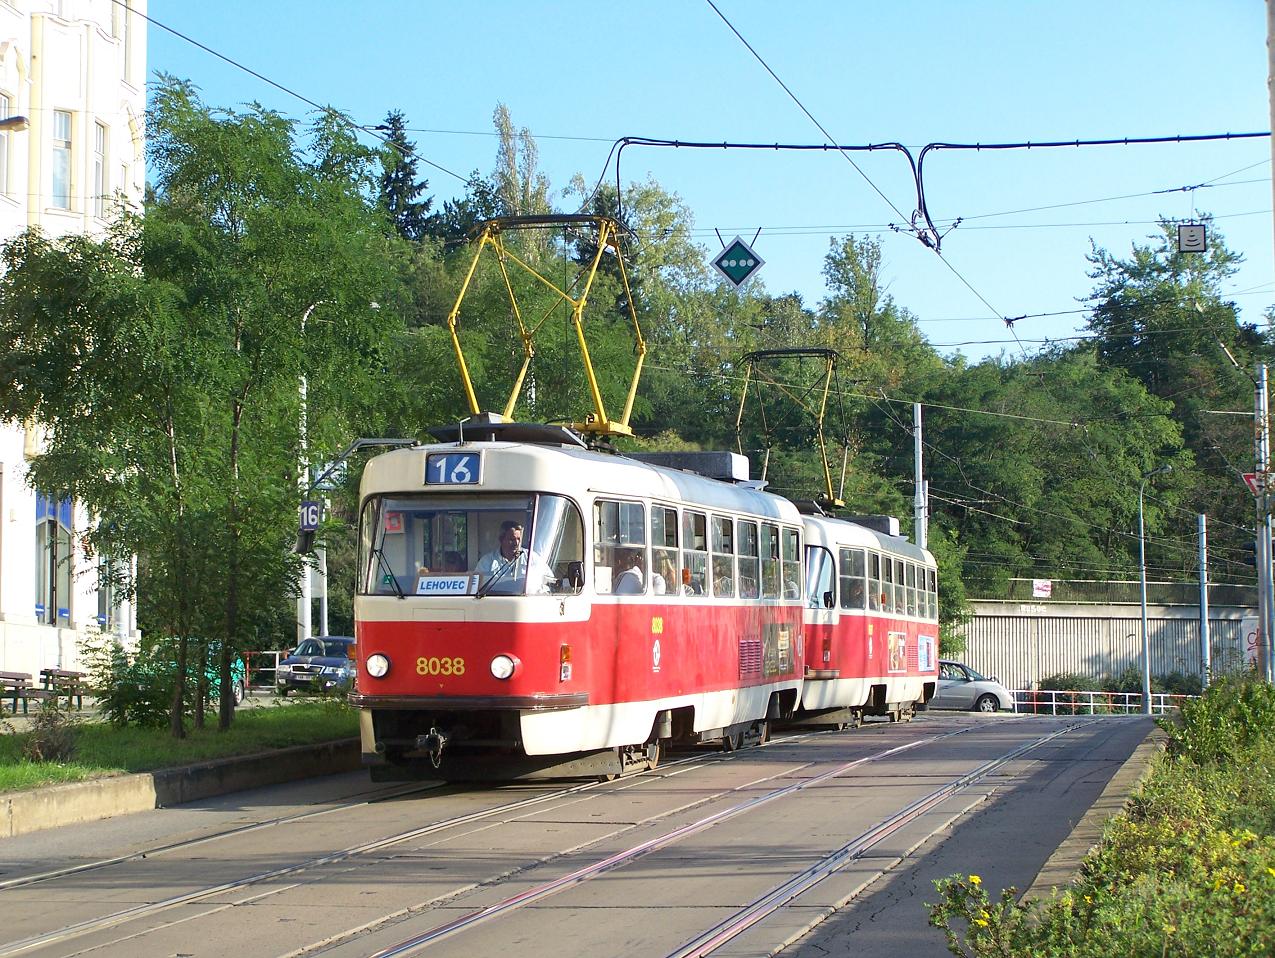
[(737, 262)]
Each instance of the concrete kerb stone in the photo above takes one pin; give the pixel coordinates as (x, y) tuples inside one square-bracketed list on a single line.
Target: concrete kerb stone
[(1063, 867), (77, 802)]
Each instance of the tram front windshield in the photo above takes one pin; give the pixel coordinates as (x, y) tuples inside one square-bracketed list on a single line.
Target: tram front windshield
[(438, 545)]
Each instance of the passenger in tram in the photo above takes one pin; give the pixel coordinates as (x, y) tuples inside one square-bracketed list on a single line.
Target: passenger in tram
[(508, 548), (630, 580), (453, 563)]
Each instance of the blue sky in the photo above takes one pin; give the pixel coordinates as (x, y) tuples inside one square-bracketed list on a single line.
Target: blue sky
[(580, 74)]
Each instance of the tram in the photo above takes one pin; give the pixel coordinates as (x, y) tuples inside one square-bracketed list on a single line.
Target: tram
[(530, 607), (871, 622)]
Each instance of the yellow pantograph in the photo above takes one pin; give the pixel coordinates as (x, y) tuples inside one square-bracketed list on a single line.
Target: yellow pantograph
[(490, 238)]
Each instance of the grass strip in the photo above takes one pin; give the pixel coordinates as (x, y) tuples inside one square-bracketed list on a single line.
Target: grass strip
[(101, 749)]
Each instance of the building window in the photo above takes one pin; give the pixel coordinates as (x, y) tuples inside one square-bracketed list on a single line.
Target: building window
[(100, 184), (62, 159), (52, 561)]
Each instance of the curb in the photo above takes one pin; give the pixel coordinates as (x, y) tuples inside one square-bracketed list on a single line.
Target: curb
[(95, 799), (1063, 866)]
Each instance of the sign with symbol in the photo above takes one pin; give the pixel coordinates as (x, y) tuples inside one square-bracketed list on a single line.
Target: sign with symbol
[(737, 262), (452, 468), (1192, 238), (311, 512), (1250, 480)]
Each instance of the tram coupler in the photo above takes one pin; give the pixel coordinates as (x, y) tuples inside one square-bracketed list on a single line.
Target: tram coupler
[(432, 744)]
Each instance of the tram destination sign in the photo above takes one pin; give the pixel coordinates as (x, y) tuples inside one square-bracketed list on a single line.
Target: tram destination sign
[(737, 262)]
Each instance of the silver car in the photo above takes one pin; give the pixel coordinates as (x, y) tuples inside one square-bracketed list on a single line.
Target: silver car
[(960, 687)]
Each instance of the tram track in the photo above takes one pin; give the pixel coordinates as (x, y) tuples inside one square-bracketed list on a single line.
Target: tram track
[(713, 938), (148, 909), (153, 851)]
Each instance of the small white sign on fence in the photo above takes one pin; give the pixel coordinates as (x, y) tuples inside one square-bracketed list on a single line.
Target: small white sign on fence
[(1042, 588)]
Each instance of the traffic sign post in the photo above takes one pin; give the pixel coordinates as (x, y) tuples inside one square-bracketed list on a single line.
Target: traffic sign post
[(737, 262), (1254, 485)]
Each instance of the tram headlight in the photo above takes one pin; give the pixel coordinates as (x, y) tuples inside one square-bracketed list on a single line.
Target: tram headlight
[(503, 666), (377, 666)]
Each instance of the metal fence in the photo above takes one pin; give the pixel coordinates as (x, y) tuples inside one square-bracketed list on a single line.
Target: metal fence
[(1050, 702)]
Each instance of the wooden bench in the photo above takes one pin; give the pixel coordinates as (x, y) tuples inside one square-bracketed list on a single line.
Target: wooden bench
[(59, 682), (18, 685)]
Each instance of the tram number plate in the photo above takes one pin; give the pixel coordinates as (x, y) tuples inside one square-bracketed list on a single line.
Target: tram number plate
[(440, 666), (452, 468)]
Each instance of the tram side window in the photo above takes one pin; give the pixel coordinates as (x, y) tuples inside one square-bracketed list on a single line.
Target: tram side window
[(666, 575), (900, 597), (887, 584), (931, 595), (791, 564), (852, 587), (723, 556), (819, 578), (695, 552), (749, 573), (619, 547), (910, 571), (876, 591), (770, 561)]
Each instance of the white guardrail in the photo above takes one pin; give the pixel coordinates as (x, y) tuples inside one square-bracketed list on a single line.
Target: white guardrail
[(1052, 702)]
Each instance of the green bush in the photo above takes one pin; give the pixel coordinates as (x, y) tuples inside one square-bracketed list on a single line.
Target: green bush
[(1070, 681)]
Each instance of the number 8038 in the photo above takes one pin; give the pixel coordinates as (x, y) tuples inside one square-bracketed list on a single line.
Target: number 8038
[(435, 665)]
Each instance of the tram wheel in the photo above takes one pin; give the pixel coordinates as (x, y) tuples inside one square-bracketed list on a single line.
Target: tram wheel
[(654, 752), (732, 741)]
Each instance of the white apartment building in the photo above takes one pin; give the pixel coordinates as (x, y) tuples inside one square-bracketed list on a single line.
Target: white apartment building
[(76, 71)]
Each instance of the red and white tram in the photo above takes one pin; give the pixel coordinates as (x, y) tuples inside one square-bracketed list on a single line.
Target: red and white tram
[(530, 607), (871, 623)]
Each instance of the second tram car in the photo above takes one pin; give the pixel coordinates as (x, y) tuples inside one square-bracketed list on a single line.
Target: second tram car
[(871, 623), (530, 607)]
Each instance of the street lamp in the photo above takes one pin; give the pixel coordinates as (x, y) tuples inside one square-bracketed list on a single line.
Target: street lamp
[(16, 123), (1142, 564)]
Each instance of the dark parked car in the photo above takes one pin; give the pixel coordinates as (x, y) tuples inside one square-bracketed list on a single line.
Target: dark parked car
[(322, 664)]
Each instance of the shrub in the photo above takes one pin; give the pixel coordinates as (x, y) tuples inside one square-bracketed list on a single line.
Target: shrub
[(51, 737)]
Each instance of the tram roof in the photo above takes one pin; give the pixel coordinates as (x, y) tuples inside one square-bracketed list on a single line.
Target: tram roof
[(573, 470), (834, 531)]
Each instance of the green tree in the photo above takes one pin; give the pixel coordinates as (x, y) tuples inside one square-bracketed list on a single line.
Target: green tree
[(165, 359), (399, 188)]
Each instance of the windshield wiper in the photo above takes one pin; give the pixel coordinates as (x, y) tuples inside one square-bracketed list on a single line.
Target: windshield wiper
[(389, 573), (498, 574)]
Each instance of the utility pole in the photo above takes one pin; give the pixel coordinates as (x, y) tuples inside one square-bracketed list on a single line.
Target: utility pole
[(1266, 593), (1206, 659), (920, 516), (1262, 550)]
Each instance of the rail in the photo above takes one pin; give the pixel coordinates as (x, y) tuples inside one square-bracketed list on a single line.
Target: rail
[(1056, 702)]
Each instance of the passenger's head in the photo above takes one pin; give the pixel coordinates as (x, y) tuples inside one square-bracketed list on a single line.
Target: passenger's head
[(453, 562)]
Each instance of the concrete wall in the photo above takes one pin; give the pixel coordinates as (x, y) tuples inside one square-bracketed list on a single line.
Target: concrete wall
[(1022, 643)]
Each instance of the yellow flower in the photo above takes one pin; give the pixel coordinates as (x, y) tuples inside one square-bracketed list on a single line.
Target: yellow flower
[(981, 922), (1239, 887), (1089, 899), (1271, 872), (975, 880)]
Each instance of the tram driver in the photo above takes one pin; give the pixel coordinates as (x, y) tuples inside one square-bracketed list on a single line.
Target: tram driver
[(510, 556)]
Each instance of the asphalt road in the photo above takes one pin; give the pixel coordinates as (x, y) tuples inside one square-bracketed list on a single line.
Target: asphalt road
[(635, 867)]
